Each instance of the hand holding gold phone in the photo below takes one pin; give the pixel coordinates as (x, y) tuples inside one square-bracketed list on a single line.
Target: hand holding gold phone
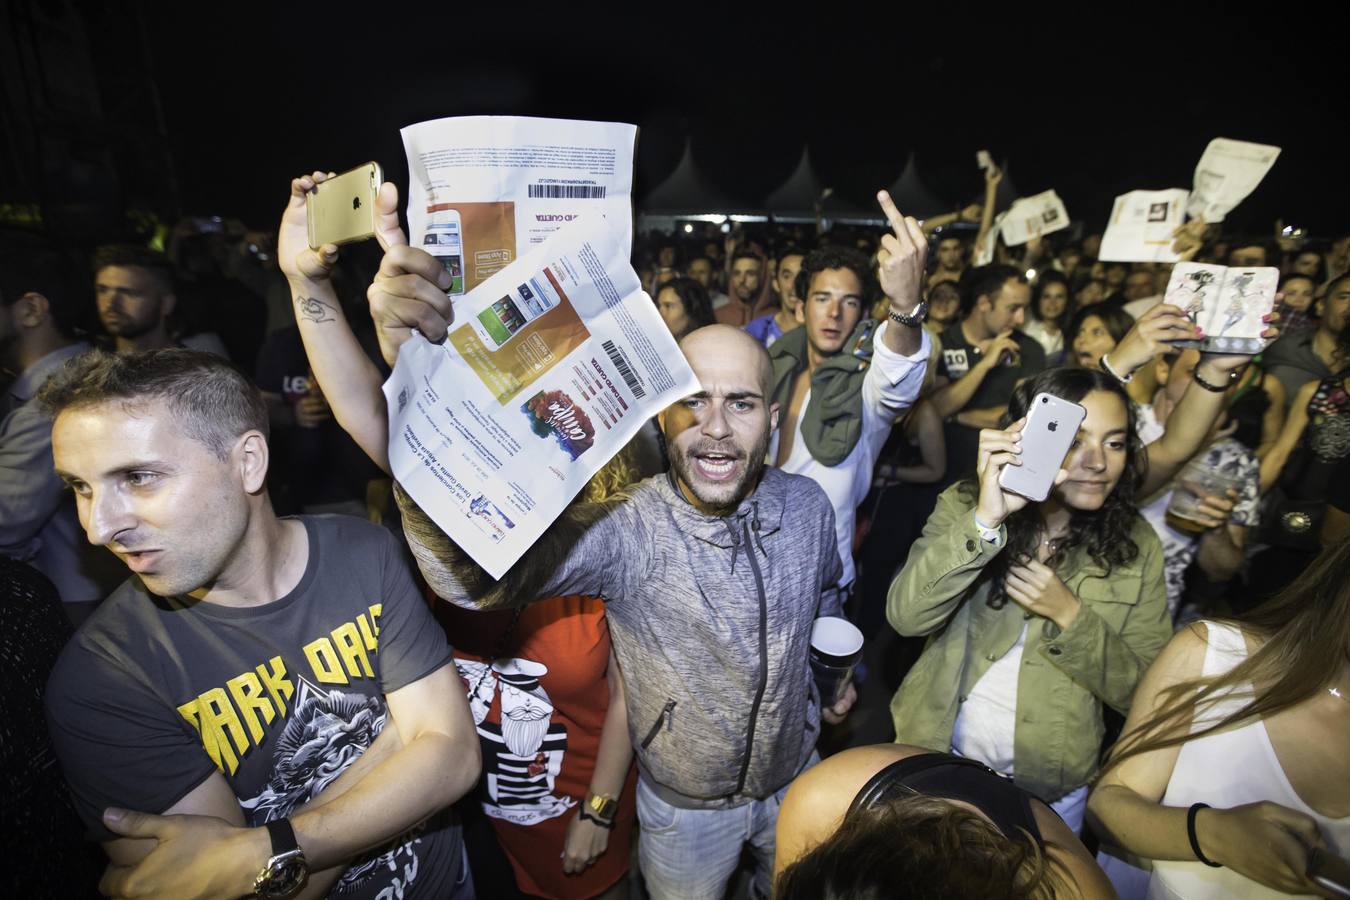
[(341, 210)]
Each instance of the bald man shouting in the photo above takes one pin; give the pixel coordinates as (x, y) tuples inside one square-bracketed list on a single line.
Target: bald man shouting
[(713, 572)]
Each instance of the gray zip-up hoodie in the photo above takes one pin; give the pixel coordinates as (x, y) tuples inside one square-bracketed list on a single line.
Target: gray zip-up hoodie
[(710, 617)]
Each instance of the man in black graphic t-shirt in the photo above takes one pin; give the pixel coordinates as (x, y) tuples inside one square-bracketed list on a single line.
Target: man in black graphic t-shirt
[(984, 356), (246, 677)]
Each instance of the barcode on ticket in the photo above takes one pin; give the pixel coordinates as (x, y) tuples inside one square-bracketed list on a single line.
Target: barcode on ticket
[(568, 191), (621, 363)]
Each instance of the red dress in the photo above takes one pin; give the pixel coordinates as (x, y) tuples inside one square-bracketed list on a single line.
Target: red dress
[(547, 674)]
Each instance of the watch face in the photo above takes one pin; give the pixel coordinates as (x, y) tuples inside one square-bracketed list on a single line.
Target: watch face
[(283, 877), (605, 807)]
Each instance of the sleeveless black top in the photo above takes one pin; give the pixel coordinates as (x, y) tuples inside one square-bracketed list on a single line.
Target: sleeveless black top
[(953, 778)]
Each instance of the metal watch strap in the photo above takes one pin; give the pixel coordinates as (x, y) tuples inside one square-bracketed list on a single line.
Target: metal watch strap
[(914, 319), (283, 836)]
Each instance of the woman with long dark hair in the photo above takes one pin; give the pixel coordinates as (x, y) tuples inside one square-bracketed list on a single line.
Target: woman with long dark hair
[(1051, 309), (684, 306), (1041, 612), (1235, 759), (1094, 332)]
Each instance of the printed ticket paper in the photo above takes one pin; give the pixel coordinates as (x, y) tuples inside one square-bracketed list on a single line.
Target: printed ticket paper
[(485, 190), (1228, 171), (1033, 216), (1141, 226), (551, 366)]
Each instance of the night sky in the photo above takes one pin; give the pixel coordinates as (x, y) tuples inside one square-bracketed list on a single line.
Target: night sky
[(256, 97)]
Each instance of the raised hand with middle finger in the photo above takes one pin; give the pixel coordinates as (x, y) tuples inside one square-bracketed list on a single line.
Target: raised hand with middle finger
[(901, 258)]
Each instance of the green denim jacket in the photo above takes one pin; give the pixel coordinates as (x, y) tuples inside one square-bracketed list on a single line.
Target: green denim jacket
[(1065, 674)]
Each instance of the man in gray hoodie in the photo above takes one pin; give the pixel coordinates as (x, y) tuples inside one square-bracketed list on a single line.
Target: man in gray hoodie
[(713, 573)]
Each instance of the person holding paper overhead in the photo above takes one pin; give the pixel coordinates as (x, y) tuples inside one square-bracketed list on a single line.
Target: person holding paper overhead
[(567, 834), (713, 575)]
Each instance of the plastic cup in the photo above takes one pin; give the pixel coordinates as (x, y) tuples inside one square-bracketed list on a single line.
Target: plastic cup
[(836, 648), (1196, 480)]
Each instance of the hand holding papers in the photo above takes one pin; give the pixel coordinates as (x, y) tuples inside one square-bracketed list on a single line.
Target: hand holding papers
[(1227, 172), (550, 367), (1142, 227)]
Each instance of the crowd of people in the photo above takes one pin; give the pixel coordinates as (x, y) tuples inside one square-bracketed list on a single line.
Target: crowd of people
[(305, 687)]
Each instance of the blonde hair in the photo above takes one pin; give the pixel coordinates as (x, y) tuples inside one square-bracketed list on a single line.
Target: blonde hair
[(614, 476)]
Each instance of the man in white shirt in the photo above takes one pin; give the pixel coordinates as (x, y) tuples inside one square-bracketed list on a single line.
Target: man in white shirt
[(841, 383)]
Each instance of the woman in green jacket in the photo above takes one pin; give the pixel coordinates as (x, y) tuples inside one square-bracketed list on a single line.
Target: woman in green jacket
[(1039, 612)]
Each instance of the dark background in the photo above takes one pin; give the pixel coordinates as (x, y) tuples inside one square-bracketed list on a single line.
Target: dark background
[(210, 110)]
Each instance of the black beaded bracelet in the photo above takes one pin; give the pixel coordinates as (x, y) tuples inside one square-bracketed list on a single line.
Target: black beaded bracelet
[(1206, 385), (1190, 833), (596, 819)]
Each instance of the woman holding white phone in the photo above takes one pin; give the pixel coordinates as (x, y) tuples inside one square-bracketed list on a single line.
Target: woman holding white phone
[(1042, 612)]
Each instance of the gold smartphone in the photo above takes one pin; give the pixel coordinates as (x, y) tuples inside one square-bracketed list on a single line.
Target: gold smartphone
[(342, 209)]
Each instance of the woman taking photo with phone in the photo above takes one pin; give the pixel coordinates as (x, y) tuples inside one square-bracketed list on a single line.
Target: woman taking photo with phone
[(1044, 611), (1235, 760)]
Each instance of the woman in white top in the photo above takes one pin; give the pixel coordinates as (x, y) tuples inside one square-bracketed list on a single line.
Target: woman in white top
[(1235, 759), (1051, 308)]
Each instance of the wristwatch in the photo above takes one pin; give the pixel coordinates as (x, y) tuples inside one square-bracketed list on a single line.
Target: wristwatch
[(602, 806), (286, 871), (915, 317)]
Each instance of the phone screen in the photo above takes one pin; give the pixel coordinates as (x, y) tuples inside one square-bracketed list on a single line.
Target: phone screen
[(445, 241)]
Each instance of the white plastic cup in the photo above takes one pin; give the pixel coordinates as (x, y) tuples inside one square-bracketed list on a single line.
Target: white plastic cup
[(836, 649)]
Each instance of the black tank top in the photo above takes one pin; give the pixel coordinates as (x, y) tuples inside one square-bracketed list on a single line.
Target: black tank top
[(953, 778)]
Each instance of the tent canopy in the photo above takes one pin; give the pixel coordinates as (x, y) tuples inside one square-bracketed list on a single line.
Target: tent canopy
[(686, 192), (913, 197), (796, 198)]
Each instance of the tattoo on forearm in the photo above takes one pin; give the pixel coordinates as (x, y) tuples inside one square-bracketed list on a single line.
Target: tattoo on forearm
[(314, 310)]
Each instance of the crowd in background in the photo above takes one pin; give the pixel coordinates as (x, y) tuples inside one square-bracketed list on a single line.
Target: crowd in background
[(1027, 637)]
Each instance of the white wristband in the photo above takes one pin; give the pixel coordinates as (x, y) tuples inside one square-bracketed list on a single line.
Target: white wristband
[(1106, 367), (987, 534)]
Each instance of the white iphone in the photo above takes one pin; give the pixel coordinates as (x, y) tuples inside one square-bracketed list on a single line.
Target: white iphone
[(1052, 424)]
